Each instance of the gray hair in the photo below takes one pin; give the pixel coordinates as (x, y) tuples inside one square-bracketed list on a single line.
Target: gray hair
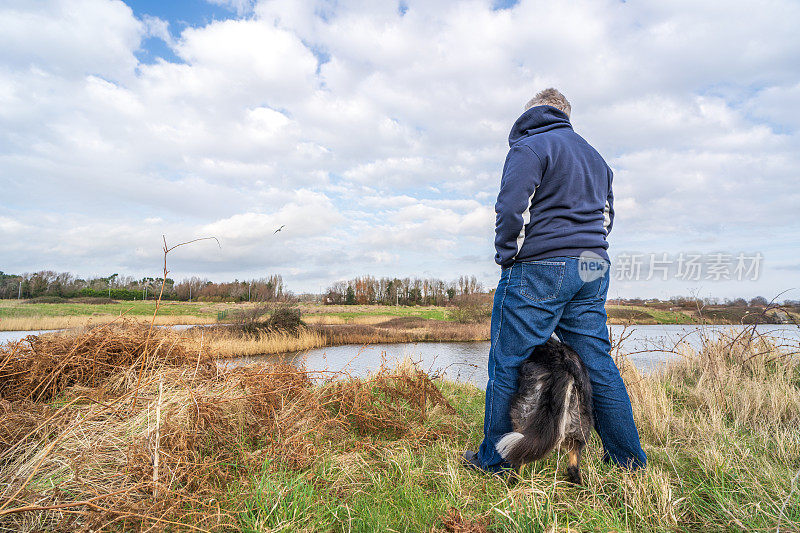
[(552, 97)]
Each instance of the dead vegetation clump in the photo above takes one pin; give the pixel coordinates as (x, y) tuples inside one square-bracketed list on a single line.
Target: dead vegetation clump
[(471, 308), (745, 377), (78, 453), (394, 403), (624, 315), (741, 377), (40, 367), (266, 319), (46, 300), (405, 329), (454, 522), (24, 419), (93, 300)]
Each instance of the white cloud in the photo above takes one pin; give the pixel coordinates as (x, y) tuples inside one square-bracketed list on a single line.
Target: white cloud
[(306, 215), (378, 138), (70, 37), (156, 27)]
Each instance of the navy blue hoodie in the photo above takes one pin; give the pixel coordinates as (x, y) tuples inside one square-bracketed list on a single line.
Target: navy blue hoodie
[(555, 196)]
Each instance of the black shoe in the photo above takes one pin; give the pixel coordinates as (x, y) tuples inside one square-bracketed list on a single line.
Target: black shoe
[(470, 460)]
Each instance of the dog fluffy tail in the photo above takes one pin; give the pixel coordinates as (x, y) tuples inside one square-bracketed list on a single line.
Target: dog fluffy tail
[(546, 426)]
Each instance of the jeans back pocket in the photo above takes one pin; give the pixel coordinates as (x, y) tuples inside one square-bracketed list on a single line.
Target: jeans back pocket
[(602, 289), (541, 280)]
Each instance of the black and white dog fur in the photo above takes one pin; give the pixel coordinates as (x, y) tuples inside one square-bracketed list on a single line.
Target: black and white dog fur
[(552, 407)]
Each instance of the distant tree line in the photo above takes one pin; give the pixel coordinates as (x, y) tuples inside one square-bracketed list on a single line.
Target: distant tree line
[(66, 285), (361, 290), (367, 290), (691, 302)]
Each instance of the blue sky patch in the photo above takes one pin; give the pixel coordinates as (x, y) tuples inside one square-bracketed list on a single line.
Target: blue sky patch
[(180, 14)]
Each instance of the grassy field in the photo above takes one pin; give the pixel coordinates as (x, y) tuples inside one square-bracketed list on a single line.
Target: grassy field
[(9, 308), (21, 316), (266, 448), (348, 312), (17, 315)]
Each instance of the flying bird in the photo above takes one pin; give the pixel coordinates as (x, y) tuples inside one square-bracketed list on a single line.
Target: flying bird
[(277, 230)]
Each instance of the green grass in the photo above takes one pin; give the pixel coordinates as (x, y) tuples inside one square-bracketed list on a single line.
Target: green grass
[(671, 317), (15, 309), (222, 312), (732, 480), (11, 308)]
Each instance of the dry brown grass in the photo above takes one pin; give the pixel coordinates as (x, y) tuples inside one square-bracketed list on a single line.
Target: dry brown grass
[(66, 322), (102, 461), (390, 310), (339, 320), (227, 343), (707, 418), (405, 329), (454, 522), (39, 368), (230, 342), (742, 378), (721, 428)]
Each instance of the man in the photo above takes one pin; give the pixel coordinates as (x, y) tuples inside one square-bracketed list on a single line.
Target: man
[(554, 211)]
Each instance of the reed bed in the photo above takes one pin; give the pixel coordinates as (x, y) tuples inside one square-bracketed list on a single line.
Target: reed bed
[(226, 341), (405, 329), (38, 323), (363, 320)]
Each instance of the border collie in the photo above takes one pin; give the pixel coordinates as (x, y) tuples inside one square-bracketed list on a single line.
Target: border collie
[(552, 408)]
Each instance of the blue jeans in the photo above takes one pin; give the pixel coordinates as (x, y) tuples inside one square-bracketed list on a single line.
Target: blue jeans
[(533, 300)]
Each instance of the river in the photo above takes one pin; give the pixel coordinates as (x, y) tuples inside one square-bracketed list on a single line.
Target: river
[(648, 347)]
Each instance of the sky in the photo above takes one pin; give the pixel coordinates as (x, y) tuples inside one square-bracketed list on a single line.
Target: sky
[(375, 134)]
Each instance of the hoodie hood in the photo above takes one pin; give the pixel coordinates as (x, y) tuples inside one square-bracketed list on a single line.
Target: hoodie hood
[(537, 119)]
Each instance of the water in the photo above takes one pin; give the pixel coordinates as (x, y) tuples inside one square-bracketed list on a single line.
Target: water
[(648, 346), (11, 336)]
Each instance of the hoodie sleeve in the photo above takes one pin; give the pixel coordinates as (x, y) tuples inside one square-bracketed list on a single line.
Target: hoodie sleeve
[(608, 211), (522, 174)]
